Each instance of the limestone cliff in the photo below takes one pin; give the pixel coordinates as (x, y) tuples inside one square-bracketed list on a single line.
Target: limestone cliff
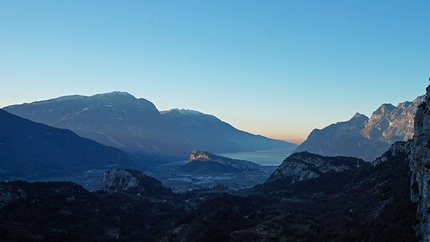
[(420, 167), (134, 182)]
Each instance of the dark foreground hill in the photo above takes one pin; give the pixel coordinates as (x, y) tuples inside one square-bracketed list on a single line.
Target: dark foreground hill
[(64, 211), (35, 151)]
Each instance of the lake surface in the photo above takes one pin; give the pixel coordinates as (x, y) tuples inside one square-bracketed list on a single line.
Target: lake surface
[(273, 157)]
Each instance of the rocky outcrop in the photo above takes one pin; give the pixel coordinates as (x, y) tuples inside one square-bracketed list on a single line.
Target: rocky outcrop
[(366, 138), (8, 195), (134, 182), (120, 180), (400, 147), (420, 167), (198, 155), (304, 166)]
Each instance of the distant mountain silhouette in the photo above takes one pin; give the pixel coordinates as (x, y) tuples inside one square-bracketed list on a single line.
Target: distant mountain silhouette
[(32, 151), (120, 120), (216, 136)]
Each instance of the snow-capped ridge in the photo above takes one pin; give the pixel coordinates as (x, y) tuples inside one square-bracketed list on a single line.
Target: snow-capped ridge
[(112, 94)]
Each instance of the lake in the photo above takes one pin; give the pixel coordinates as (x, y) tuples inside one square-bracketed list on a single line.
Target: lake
[(272, 157)]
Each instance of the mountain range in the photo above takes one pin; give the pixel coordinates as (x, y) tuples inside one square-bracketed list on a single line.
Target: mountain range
[(135, 126), (363, 137)]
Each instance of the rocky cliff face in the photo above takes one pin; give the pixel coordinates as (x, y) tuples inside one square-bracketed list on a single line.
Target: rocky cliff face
[(362, 137), (304, 166), (420, 167)]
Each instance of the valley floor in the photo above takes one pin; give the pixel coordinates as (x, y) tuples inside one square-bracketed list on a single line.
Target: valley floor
[(182, 182), (179, 182)]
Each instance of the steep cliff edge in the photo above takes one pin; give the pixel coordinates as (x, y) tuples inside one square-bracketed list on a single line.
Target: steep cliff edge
[(420, 167)]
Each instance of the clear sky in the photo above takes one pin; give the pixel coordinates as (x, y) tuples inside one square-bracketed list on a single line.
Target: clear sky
[(276, 68)]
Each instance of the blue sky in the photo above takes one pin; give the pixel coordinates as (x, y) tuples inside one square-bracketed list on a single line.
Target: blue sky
[(276, 68)]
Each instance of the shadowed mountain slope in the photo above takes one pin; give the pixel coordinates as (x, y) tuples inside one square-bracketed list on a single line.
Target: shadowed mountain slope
[(30, 150)]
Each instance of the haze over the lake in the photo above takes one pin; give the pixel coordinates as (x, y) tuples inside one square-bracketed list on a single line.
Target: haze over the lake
[(275, 68)]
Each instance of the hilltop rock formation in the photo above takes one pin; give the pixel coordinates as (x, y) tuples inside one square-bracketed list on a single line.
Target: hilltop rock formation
[(204, 162), (135, 126), (304, 166), (362, 137), (420, 167)]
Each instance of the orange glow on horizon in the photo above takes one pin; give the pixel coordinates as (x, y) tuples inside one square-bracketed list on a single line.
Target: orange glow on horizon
[(291, 139)]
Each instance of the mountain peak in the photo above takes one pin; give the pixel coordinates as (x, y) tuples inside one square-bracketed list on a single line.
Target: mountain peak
[(359, 116), (356, 115), (384, 108)]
